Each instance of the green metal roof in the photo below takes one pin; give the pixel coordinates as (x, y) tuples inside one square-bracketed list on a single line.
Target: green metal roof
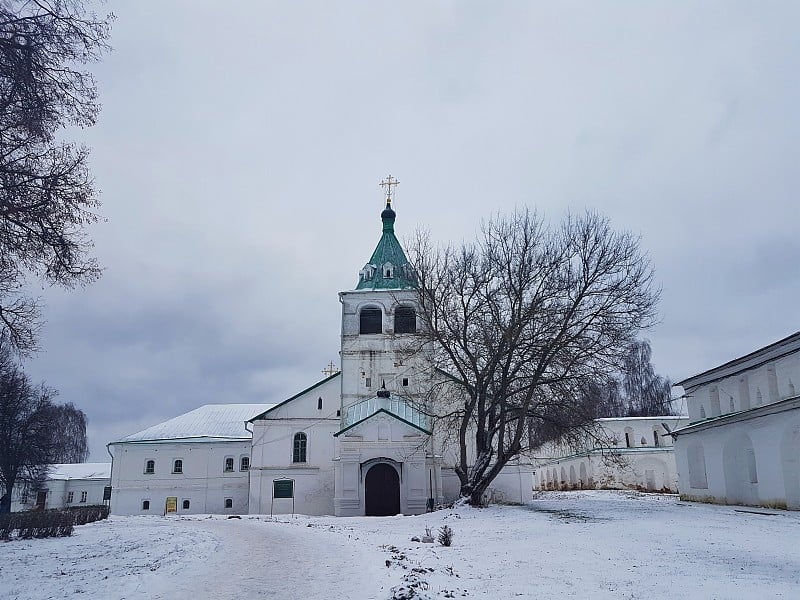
[(388, 258), (397, 407)]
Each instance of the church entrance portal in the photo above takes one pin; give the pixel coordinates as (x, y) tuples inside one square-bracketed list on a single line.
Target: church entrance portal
[(382, 491)]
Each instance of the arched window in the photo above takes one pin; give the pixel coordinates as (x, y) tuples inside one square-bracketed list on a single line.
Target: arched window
[(371, 321), (299, 448), (228, 502), (656, 441), (229, 464), (405, 320), (149, 467), (145, 504), (177, 466), (244, 463), (185, 505)]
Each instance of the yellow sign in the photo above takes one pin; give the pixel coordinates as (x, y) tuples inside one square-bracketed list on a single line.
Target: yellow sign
[(172, 504)]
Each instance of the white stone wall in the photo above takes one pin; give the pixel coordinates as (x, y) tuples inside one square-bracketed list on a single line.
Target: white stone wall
[(273, 441), (751, 458), (622, 453), (203, 482)]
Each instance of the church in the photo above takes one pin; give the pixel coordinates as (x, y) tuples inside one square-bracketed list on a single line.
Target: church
[(358, 442)]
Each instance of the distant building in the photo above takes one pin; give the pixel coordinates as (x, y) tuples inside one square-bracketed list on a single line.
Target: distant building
[(66, 485), (620, 453), (742, 445), (198, 462)]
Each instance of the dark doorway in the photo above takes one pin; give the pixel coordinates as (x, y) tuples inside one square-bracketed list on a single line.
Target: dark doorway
[(382, 491), (41, 499)]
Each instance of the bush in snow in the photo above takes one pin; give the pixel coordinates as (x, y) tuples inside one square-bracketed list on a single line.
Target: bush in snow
[(445, 537)]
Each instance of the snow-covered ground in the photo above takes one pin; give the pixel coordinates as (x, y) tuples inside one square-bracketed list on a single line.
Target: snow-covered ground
[(563, 545)]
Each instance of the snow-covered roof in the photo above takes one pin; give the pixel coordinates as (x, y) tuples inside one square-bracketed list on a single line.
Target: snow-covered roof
[(80, 471), (207, 423)]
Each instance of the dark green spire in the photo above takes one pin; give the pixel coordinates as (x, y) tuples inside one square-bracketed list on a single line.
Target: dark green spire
[(388, 268)]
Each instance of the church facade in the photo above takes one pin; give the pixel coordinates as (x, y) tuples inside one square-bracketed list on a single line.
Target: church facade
[(358, 442)]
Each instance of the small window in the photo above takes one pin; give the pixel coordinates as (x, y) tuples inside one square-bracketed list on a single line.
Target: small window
[(84, 496), (244, 463), (628, 441), (177, 466), (368, 382), (405, 381), (149, 467), (319, 403), (185, 505), (405, 320), (300, 447), (371, 321), (229, 464), (70, 497), (145, 504), (656, 442), (228, 502)]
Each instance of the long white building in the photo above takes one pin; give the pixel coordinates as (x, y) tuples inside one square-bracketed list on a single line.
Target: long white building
[(198, 462), (742, 445)]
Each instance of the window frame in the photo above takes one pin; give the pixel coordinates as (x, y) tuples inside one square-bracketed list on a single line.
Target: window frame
[(84, 496), (177, 466), (299, 448), (147, 503), (229, 465), (70, 497), (228, 503), (147, 464), (242, 465), (186, 503), (409, 322), (366, 327)]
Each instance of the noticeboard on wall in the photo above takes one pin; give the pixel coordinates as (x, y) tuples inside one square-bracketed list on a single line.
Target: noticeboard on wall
[(283, 488), (172, 504)]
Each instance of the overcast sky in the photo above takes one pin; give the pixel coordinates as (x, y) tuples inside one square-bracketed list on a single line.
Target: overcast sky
[(241, 144)]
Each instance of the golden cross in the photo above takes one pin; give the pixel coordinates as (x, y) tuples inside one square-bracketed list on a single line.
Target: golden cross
[(330, 369), (388, 183)]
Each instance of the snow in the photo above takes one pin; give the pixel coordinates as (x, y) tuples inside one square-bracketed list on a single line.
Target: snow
[(211, 421), (79, 471), (599, 545)]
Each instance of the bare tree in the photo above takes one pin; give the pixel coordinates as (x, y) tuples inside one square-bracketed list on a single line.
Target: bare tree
[(34, 432), (522, 320), (647, 394), (47, 197)]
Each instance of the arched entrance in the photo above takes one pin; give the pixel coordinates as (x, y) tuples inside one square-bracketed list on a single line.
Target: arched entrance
[(382, 491)]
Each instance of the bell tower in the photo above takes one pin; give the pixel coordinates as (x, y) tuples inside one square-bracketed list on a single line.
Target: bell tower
[(379, 347)]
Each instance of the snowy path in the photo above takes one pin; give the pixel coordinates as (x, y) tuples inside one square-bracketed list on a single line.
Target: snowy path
[(191, 558), (257, 559)]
